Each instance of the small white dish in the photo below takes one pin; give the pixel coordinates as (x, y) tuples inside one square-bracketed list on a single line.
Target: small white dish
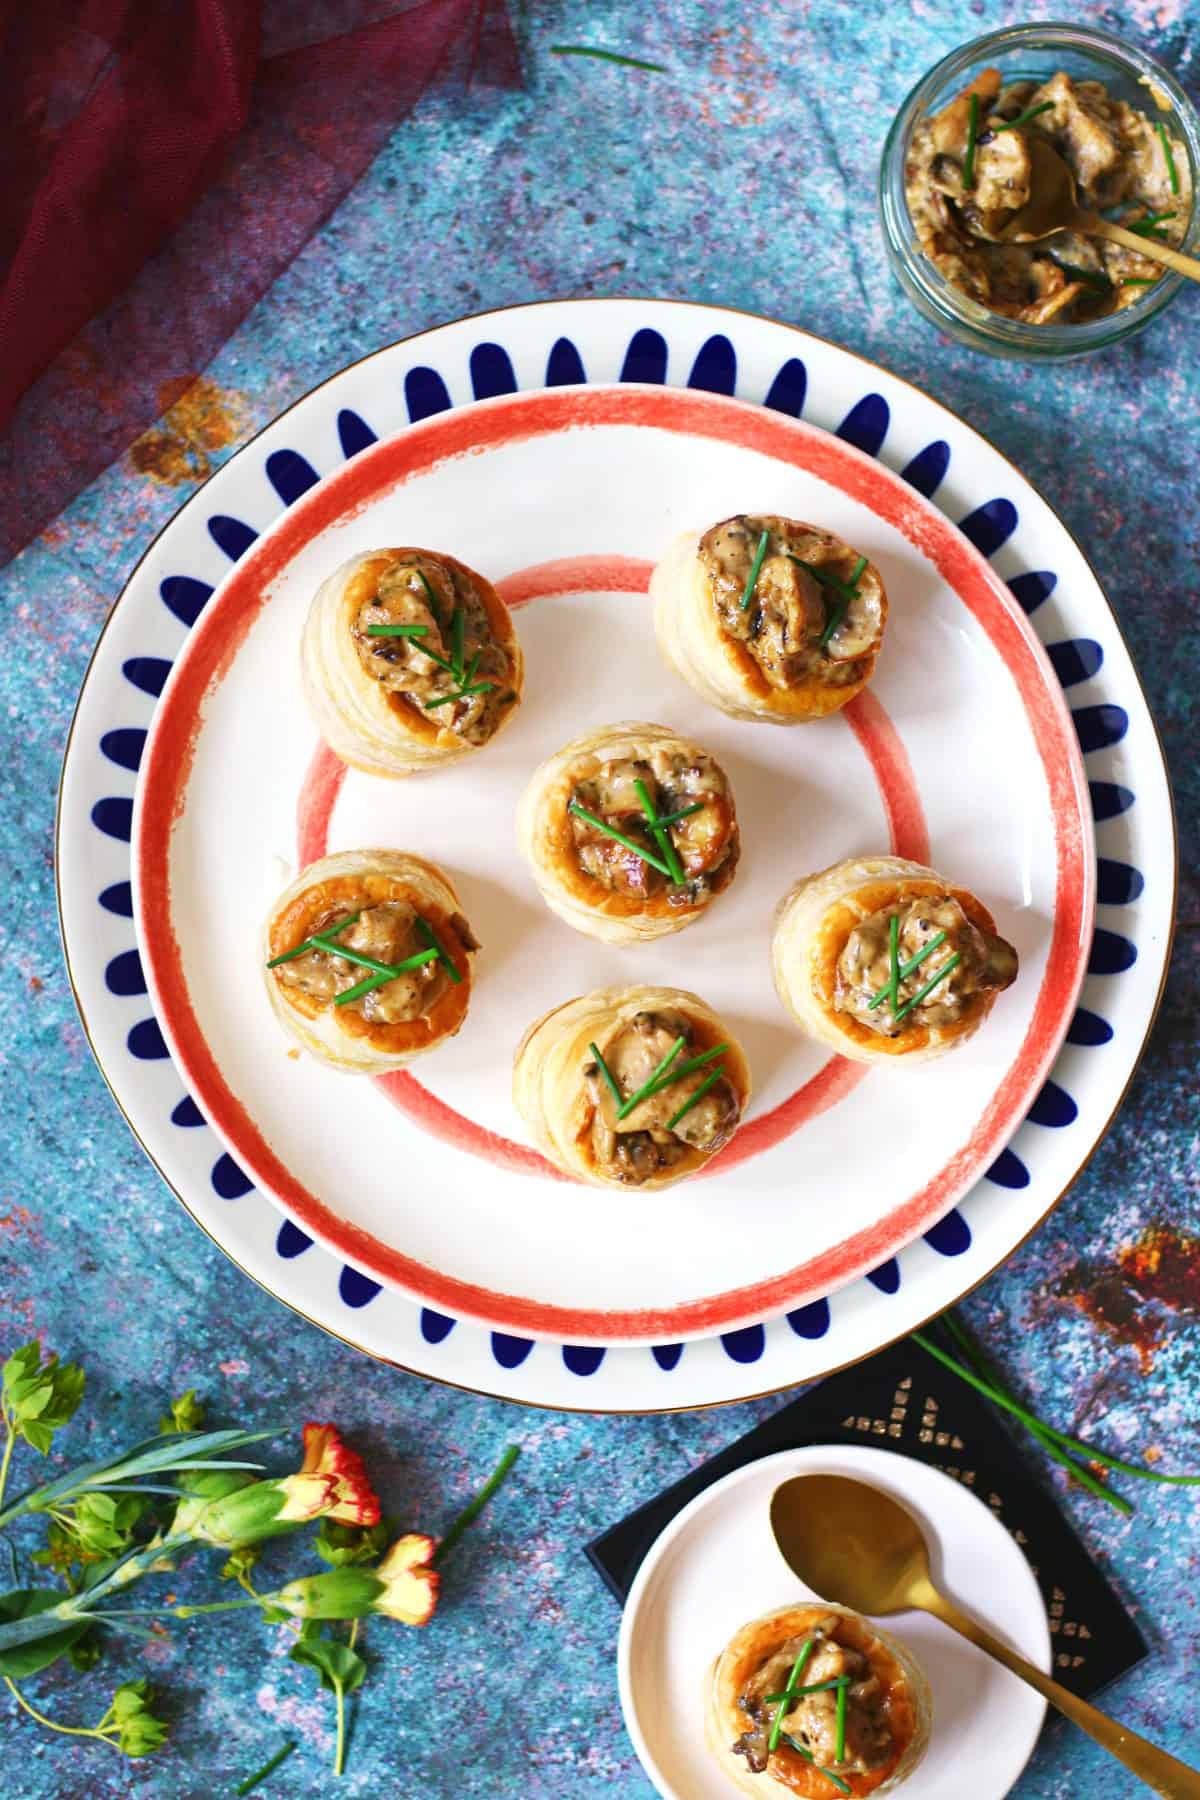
[(717, 1565)]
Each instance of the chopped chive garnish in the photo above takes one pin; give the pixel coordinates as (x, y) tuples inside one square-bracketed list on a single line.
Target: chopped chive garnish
[(628, 62), (666, 847), (268, 1768), (685, 812), (843, 1787), (950, 963), (608, 1075), (695, 1062), (317, 941), (798, 1668), (618, 837), (362, 962), (648, 1086), (397, 631), (893, 986), (432, 938), (839, 1744), (1024, 118), (816, 1687), (906, 969), (1172, 171), (827, 578), (385, 974), (755, 568), (1149, 226), (1092, 277), (1139, 280), (972, 142), (462, 693), (699, 1094), (431, 597), (440, 661)]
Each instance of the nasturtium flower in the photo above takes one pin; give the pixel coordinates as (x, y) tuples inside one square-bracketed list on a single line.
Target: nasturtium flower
[(403, 1586)]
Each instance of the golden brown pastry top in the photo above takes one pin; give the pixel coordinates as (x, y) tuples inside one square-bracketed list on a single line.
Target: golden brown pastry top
[(805, 607)]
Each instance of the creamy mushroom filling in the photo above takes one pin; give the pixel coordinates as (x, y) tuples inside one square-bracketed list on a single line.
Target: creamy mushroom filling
[(390, 933), (975, 961), (449, 665), (704, 842), (646, 1142), (811, 1719), (1124, 163), (794, 623)]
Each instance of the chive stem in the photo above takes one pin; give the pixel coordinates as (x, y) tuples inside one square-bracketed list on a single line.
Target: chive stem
[(648, 1086), (608, 1075), (1024, 117), (317, 942), (798, 1668), (695, 1062), (618, 837), (815, 1687), (475, 1506), (972, 142), (950, 963), (1172, 171), (1076, 1470), (803, 1750), (685, 812), (1060, 1437), (400, 631), (268, 1768), (893, 986), (431, 598), (755, 570), (699, 1094), (385, 972), (839, 1745), (666, 847), (629, 62), (432, 938), (906, 969)]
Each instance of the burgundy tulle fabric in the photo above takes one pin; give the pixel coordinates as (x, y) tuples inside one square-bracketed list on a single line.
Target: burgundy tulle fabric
[(164, 160)]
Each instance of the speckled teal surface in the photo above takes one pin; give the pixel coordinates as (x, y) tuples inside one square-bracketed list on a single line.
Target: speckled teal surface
[(746, 176)]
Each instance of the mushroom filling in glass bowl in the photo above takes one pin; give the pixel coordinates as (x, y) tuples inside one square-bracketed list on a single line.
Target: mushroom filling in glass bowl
[(973, 166)]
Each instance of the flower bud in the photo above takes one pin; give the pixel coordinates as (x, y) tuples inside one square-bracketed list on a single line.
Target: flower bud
[(336, 1594)]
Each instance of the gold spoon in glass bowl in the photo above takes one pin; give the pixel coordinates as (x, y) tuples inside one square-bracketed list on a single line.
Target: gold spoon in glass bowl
[(856, 1546), (1052, 207)]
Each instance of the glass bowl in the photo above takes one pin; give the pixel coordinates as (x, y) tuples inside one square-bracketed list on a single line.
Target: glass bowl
[(1031, 52)]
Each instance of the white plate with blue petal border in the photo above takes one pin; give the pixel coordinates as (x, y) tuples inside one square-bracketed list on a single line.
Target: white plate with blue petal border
[(599, 344)]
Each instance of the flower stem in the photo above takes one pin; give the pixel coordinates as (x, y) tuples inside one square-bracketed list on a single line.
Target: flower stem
[(91, 1731), (473, 1508), (339, 1755), (10, 1438), (212, 1606)]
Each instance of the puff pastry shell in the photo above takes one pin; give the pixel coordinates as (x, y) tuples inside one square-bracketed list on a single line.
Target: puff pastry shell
[(908, 1702), (349, 882), (553, 1095), (812, 925), (548, 841), (369, 725)]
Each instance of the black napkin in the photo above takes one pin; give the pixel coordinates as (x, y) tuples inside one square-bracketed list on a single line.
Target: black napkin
[(904, 1400)]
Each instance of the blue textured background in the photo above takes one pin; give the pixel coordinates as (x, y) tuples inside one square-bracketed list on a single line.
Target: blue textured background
[(744, 176)]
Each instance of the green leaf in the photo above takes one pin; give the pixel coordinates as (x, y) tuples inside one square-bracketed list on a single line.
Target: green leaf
[(86, 1651), (40, 1397), (344, 1545), (185, 1414), (336, 1664), (166, 1453), (27, 1659), (138, 1731)]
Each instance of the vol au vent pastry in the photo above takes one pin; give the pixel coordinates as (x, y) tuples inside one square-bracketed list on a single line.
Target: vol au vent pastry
[(768, 618), (769, 1745), (368, 959), (881, 957), (631, 1087), (409, 660), (630, 832)]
